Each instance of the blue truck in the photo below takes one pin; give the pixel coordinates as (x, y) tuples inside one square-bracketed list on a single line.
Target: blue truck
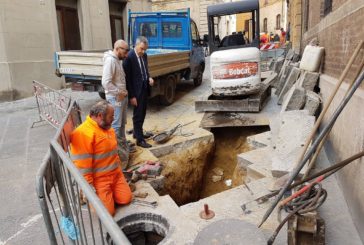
[(175, 52)]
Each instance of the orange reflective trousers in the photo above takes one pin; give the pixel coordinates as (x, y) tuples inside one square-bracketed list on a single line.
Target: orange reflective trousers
[(113, 189), (94, 152)]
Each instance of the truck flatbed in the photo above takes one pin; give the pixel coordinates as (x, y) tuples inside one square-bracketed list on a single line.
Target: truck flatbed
[(88, 64)]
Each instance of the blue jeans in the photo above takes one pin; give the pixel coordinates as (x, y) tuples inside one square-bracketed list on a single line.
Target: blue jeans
[(120, 109)]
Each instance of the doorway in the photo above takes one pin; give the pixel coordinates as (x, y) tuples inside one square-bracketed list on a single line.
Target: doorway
[(116, 9), (68, 25)]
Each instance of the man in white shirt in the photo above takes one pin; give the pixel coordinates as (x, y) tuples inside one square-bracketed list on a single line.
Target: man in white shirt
[(114, 83)]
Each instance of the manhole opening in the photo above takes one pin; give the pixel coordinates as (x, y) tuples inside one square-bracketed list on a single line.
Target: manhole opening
[(144, 228)]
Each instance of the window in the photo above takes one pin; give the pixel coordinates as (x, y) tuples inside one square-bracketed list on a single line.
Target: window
[(148, 29), (265, 25), (194, 32), (327, 7), (172, 29), (278, 22), (306, 15), (117, 30)]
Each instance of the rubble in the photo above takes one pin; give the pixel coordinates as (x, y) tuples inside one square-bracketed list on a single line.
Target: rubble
[(218, 171), (216, 178)]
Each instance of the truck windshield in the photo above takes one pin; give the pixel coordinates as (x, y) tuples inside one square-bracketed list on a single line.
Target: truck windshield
[(172, 29), (148, 29)]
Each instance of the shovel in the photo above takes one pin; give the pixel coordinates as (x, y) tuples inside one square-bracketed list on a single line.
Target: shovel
[(166, 135)]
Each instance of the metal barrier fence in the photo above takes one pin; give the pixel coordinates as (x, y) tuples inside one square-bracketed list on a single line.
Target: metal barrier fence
[(59, 188), (52, 105), (267, 56)]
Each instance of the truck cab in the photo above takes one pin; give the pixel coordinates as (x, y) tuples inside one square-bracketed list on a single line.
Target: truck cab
[(170, 31)]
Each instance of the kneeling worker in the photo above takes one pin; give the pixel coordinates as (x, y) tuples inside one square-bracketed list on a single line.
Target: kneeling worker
[(94, 152)]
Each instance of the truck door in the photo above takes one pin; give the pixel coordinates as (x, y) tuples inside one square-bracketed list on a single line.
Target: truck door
[(197, 53)]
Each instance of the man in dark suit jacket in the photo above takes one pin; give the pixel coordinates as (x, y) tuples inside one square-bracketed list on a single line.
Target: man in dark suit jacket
[(138, 84)]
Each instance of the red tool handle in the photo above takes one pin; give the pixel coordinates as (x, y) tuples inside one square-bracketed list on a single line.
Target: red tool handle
[(301, 191)]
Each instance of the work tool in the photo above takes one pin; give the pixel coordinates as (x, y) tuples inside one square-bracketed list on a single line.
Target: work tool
[(328, 102), (251, 192), (325, 173), (315, 143), (166, 135), (153, 204)]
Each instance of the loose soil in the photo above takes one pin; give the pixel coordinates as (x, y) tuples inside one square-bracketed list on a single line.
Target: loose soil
[(229, 142)]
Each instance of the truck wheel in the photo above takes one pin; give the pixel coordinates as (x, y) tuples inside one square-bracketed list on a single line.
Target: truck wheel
[(102, 95), (169, 91), (198, 79)]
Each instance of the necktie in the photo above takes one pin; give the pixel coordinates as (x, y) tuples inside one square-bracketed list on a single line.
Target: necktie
[(142, 67)]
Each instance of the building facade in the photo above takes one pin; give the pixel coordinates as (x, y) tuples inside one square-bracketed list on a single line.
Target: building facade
[(338, 27), (31, 31), (273, 15), (198, 9)]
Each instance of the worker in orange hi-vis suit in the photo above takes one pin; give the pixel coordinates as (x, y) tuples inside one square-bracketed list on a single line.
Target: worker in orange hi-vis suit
[(94, 152)]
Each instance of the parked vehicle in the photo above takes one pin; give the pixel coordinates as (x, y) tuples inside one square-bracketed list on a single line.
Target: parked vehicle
[(175, 52)]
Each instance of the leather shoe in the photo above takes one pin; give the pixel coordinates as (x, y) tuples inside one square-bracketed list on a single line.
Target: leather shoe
[(147, 135), (144, 144)]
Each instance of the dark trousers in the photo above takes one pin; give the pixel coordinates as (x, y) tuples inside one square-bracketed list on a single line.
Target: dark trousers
[(139, 115)]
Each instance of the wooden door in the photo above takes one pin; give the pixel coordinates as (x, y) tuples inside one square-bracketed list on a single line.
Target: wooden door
[(69, 29)]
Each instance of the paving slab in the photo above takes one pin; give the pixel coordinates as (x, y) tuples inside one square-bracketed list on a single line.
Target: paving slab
[(293, 133), (262, 166), (251, 157), (260, 140), (294, 99), (284, 76), (291, 79), (312, 103), (227, 205), (308, 80)]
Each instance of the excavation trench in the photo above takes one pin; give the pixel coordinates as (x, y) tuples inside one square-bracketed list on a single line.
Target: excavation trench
[(202, 168)]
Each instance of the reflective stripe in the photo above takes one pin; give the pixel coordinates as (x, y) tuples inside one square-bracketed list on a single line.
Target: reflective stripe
[(81, 156), (104, 155), (96, 157), (85, 170), (98, 170), (107, 168)]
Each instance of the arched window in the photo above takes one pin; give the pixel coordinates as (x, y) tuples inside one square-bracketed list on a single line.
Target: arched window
[(265, 25), (278, 22)]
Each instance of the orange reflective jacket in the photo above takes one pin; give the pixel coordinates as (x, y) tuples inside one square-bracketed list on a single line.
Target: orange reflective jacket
[(94, 150)]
